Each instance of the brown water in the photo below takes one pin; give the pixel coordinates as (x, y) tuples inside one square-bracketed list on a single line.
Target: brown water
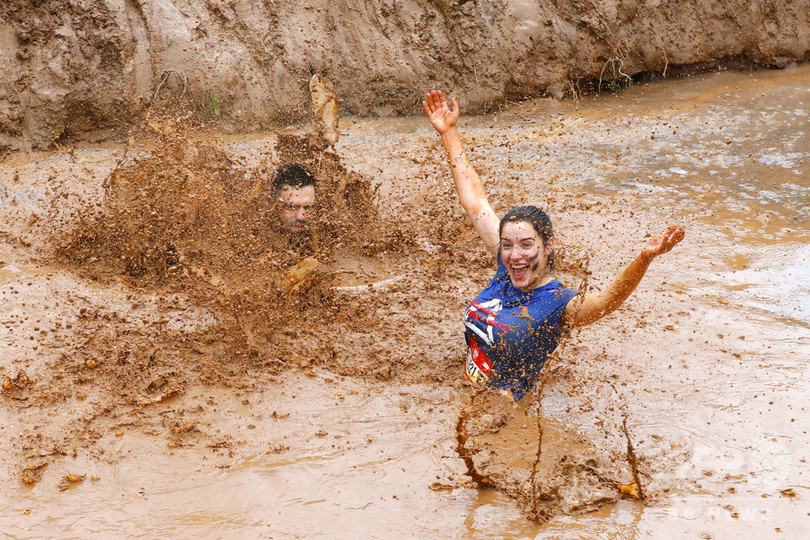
[(725, 383)]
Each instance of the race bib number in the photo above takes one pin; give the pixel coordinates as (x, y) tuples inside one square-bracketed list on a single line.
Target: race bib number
[(478, 365)]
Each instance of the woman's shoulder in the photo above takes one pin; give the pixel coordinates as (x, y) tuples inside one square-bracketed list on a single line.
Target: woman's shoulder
[(559, 288), (557, 285), (554, 289)]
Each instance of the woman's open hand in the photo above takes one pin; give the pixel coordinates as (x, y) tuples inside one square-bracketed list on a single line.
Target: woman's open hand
[(439, 113), (664, 242)]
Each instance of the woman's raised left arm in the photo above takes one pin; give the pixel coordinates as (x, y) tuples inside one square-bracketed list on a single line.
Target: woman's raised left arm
[(594, 305)]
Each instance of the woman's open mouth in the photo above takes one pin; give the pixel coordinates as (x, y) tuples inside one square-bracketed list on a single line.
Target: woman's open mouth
[(519, 271)]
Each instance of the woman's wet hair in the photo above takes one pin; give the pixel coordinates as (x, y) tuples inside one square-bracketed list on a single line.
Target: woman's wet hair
[(538, 219)]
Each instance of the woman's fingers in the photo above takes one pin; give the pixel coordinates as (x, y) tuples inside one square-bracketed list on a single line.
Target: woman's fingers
[(442, 101), (669, 239), (434, 99), (662, 243), (439, 113), (430, 104), (676, 234)]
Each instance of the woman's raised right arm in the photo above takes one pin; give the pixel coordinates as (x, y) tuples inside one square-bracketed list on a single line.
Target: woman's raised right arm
[(469, 187)]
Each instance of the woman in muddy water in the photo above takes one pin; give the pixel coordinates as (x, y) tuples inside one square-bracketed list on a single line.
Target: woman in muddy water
[(517, 320)]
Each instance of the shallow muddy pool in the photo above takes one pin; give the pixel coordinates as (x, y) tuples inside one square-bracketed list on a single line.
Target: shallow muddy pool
[(720, 363)]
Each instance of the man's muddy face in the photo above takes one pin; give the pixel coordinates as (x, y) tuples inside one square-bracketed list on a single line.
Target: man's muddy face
[(296, 206)]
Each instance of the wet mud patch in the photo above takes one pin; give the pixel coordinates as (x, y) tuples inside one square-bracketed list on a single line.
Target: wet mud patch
[(180, 285), (179, 278), (551, 465)]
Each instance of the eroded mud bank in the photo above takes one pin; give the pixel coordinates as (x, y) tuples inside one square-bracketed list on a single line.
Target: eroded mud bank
[(77, 70)]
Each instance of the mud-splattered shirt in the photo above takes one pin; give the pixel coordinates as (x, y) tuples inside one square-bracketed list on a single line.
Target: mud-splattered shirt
[(510, 333)]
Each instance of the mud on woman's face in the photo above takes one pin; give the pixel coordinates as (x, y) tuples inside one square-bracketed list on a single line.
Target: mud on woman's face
[(524, 254)]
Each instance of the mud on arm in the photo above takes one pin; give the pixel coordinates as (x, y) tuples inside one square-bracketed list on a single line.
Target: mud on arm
[(468, 184), (592, 306)]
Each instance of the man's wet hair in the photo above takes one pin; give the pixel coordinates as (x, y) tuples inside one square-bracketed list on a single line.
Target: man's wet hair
[(293, 175), (538, 219)]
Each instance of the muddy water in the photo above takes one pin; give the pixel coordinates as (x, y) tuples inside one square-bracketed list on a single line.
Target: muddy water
[(730, 154), (727, 382)]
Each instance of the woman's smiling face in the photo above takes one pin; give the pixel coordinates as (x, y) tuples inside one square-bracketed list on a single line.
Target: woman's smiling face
[(524, 254)]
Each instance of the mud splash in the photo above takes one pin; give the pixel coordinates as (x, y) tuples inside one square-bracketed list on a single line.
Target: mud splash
[(214, 290), (707, 370), (548, 468), (210, 297)]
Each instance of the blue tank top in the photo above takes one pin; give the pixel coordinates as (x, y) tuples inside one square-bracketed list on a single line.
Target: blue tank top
[(510, 333)]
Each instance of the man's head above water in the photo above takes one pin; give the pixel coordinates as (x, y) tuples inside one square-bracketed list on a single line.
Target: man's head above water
[(294, 187)]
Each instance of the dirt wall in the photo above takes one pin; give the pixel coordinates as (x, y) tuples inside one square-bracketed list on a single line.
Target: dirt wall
[(83, 69)]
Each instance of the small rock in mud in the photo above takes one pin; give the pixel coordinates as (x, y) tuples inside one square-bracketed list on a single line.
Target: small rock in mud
[(629, 490)]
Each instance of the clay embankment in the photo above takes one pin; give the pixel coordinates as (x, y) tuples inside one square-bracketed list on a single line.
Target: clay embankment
[(75, 71)]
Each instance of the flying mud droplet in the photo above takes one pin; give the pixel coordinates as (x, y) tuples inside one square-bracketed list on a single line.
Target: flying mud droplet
[(17, 388), (68, 480), (438, 486), (301, 276)]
